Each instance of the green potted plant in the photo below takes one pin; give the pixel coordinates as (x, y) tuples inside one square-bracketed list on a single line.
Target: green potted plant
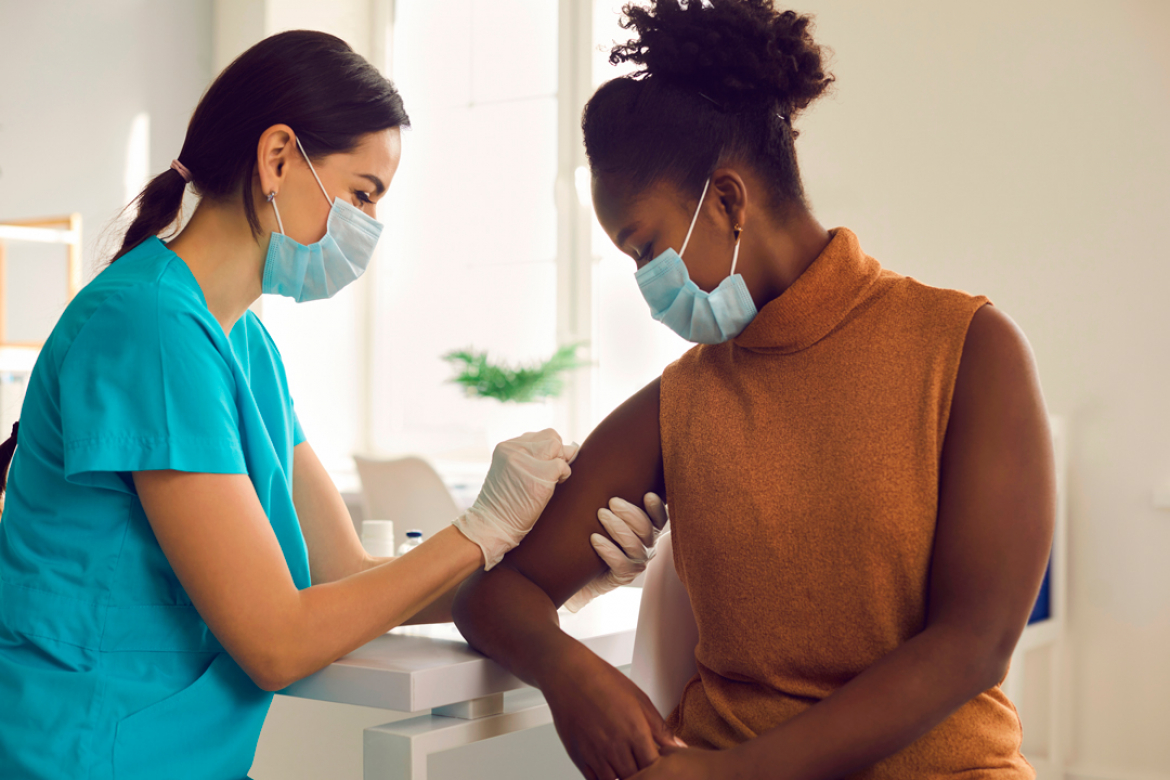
[(519, 394)]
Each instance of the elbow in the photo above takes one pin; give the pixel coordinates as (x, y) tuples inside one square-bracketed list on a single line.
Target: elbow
[(987, 664), (975, 661), (464, 609), (269, 676), (271, 669)]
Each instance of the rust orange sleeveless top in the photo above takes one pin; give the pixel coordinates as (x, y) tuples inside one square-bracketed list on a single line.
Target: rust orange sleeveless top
[(802, 468)]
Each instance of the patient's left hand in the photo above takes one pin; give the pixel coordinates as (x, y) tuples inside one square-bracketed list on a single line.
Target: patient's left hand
[(637, 532), (688, 764)]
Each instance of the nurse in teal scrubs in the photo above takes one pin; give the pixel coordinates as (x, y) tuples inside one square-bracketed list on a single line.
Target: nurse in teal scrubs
[(171, 550)]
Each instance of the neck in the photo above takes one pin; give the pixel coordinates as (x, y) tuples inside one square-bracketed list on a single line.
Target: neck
[(779, 253), (225, 258)]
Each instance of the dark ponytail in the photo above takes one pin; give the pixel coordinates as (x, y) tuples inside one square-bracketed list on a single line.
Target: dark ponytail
[(7, 449), (719, 83), (311, 81)]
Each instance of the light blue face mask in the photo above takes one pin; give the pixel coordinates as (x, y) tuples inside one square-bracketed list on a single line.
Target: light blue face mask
[(310, 273), (696, 315)]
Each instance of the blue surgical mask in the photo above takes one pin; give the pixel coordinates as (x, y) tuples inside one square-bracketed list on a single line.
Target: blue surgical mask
[(310, 273), (696, 315)]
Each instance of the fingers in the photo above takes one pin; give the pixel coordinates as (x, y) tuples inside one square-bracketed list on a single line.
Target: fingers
[(656, 509), (544, 444), (633, 518), (665, 738), (645, 752), (620, 531), (622, 759), (593, 589), (623, 568), (570, 451)]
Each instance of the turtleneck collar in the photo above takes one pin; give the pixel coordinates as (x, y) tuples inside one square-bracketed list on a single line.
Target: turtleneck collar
[(817, 301)]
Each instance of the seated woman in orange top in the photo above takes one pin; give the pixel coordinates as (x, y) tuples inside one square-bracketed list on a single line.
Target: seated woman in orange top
[(858, 465)]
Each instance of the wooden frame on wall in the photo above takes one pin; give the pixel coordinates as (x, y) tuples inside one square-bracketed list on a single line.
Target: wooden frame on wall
[(49, 230)]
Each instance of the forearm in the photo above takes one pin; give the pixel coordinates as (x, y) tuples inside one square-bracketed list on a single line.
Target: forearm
[(333, 619), (878, 713), (506, 616)]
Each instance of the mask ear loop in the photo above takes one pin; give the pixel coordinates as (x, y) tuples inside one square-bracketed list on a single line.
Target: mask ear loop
[(735, 254), (272, 200), (695, 218), (314, 172)]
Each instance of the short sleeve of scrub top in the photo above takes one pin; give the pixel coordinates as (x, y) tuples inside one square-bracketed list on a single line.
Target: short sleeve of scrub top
[(165, 400), (106, 667)]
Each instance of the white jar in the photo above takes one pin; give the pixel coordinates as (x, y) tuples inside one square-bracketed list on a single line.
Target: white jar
[(378, 538)]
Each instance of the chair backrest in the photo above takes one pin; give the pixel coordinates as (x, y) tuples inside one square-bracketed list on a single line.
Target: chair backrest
[(408, 491), (666, 638)]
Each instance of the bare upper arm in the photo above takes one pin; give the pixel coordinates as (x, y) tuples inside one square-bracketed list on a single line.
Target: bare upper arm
[(622, 457), (997, 494), (217, 538)]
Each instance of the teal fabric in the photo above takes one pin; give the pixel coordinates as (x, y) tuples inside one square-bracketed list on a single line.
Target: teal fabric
[(106, 669)]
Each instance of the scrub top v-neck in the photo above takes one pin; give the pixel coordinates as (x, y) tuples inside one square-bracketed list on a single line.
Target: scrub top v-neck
[(106, 669)]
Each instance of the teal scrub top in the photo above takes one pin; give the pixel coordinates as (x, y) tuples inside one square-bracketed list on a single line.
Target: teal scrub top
[(106, 669)]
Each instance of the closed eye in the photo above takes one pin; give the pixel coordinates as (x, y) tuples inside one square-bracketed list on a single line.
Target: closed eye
[(364, 197)]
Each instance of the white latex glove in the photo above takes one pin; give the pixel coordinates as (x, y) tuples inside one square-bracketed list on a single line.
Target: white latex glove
[(521, 480), (637, 532)]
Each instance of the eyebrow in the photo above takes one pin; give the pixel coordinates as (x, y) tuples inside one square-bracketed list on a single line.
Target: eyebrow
[(380, 187)]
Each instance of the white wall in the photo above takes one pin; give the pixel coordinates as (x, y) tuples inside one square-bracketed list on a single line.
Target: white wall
[(74, 75), (1021, 150)]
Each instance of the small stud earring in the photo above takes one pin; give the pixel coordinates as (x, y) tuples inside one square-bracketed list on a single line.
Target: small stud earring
[(737, 229), (271, 195)]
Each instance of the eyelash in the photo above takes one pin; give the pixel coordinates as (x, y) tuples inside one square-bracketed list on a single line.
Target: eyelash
[(362, 196), (643, 252)]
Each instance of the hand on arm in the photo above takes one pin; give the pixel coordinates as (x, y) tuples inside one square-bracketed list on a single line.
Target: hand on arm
[(609, 726), (994, 531)]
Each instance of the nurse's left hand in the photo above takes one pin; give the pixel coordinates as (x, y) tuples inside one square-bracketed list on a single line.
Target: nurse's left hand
[(691, 764), (520, 482), (637, 532)]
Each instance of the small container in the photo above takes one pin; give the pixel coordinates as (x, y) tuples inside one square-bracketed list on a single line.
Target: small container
[(413, 539), (378, 538)]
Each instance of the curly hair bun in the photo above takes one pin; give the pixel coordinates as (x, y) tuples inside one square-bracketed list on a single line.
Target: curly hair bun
[(736, 53)]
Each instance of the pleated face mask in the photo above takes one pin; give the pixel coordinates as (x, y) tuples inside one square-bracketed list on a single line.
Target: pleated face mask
[(311, 273), (677, 302)]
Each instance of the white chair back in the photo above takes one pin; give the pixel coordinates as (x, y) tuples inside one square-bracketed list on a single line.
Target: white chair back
[(408, 491), (666, 638)]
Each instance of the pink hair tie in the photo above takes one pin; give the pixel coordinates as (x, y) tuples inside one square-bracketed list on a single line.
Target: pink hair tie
[(182, 169)]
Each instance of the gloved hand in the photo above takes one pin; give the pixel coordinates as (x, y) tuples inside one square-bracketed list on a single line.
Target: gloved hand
[(636, 531), (521, 480)]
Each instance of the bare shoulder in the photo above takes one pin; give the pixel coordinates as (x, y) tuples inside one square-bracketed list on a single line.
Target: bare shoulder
[(997, 376), (621, 457), (998, 426)]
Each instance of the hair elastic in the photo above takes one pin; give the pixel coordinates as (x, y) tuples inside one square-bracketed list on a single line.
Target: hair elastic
[(182, 169)]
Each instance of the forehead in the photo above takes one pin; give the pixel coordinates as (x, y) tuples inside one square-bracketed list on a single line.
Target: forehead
[(618, 205), (376, 151)]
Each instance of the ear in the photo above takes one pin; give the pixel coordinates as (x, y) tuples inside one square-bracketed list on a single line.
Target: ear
[(729, 196), (273, 153)]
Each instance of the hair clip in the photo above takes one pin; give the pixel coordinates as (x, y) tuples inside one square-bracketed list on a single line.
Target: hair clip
[(711, 101)]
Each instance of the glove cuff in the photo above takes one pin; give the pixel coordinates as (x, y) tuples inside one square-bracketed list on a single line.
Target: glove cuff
[(477, 530)]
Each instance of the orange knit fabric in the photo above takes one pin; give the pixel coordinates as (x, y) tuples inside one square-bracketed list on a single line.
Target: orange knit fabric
[(802, 467)]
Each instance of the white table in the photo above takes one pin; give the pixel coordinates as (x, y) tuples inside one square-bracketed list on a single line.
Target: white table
[(419, 668)]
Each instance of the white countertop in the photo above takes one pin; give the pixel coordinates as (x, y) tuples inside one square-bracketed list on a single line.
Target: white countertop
[(415, 668)]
